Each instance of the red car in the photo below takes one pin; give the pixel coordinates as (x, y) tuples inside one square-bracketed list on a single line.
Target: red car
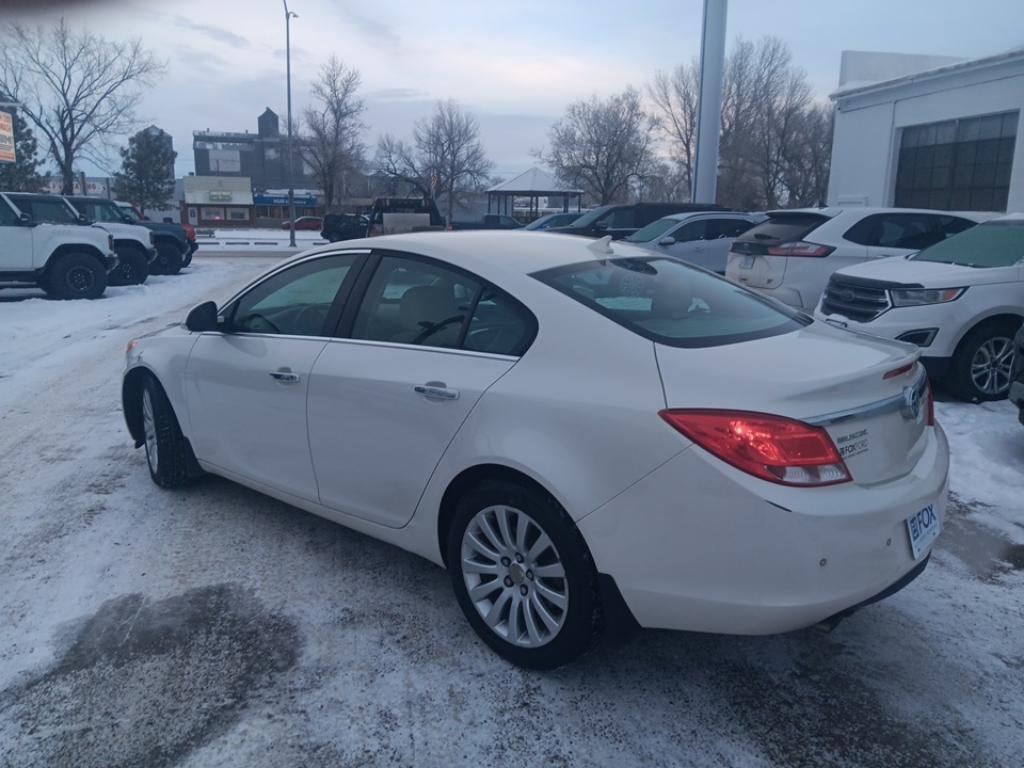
[(305, 222)]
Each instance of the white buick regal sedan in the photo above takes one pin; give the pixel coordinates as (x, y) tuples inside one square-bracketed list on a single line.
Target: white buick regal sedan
[(586, 435)]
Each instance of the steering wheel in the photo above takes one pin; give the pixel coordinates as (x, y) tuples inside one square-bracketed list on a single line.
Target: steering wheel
[(311, 316), (262, 318)]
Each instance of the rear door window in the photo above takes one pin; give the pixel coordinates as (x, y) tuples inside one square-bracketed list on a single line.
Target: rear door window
[(695, 230), (912, 231), (622, 218), (670, 302)]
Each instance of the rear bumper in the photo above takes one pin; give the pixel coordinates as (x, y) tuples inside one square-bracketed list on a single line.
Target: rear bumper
[(697, 545)]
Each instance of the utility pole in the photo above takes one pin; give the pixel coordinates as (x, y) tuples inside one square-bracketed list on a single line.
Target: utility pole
[(709, 112), (288, 16)]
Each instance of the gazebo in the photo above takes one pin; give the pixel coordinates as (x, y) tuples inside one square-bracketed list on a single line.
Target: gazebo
[(533, 184)]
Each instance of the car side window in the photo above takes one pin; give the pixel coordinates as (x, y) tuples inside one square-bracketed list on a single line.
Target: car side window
[(7, 217), (410, 301), (892, 230), (499, 325), (952, 225), (719, 228), (622, 218), (695, 230), (295, 302)]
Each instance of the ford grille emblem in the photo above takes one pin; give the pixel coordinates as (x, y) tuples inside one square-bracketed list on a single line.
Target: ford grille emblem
[(846, 295)]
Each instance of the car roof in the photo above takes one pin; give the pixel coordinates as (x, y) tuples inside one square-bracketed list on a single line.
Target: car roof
[(831, 211), (491, 253), (684, 215)]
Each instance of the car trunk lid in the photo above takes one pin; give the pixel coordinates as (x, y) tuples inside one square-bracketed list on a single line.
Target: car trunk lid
[(870, 395)]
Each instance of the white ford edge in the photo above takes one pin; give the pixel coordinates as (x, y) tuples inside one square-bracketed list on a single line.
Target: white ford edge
[(961, 301), (584, 434)]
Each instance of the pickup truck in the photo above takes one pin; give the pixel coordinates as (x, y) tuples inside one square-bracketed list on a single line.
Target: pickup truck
[(489, 221)]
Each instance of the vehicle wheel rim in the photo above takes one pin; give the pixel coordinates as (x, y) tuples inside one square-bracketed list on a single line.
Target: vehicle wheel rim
[(514, 576), (992, 365), (80, 279), (127, 273), (149, 430)]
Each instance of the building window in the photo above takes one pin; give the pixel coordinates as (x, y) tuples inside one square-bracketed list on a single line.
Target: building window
[(238, 214), (211, 213), (959, 165), (225, 161)]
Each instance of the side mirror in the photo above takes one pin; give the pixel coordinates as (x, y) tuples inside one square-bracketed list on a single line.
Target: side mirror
[(202, 318), (26, 219), (667, 241), (601, 226), (82, 219)]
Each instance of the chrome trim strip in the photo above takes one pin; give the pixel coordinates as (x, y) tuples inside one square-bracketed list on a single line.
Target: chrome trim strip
[(894, 403)]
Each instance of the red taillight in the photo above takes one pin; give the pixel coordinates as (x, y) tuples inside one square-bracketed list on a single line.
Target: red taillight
[(772, 448), (800, 248)]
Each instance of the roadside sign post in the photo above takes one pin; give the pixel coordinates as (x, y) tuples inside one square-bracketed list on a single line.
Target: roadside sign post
[(7, 154)]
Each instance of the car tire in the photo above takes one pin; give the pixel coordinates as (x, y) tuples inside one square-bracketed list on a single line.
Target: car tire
[(554, 618), (168, 452), (981, 367), (132, 267), (76, 276), (168, 260)]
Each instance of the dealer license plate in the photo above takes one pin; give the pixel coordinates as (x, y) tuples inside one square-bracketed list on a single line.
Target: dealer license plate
[(747, 263), (923, 528)]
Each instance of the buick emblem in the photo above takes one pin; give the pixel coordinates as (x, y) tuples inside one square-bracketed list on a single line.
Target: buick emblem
[(911, 402)]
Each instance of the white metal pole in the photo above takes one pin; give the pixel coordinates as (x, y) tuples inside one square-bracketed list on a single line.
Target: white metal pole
[(291, 161), (709, 113)]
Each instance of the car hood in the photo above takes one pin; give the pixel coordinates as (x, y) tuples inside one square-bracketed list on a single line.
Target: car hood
[(125, 231), (923, 274)]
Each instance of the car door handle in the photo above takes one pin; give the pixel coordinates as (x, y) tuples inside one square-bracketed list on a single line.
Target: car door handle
[(437, 391), (284, 375)]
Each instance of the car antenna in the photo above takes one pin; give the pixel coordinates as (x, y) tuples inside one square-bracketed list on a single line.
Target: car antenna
[(602, 247)]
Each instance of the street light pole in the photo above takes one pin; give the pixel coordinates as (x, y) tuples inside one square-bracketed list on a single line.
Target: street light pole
[(288, 15)]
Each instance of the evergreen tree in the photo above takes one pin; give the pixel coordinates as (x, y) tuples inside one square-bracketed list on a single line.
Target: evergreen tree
[(147, 170)]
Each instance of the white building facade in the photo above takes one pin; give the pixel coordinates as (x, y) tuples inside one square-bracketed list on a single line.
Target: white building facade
[(948, 137)]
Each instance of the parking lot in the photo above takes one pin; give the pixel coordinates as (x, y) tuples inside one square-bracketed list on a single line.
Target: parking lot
[(215, 626)]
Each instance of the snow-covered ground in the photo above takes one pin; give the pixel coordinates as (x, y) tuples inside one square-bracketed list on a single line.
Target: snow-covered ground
[(214, 626)]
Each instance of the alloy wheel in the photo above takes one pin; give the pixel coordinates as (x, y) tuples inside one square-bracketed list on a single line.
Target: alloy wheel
[(992, 364), (514, 576), (149, 430)]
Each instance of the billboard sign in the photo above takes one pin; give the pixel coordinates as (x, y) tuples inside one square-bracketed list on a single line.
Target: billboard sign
[(7, 138)]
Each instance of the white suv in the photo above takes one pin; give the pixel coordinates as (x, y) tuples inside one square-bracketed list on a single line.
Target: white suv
[(791, 255), (66, 259), (701, 238), (134, 244), (960, 300)]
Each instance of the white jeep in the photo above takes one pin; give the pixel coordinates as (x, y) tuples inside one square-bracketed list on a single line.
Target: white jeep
[(55, 251)]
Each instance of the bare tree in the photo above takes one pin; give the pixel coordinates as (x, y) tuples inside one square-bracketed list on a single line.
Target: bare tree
[(772, 132), (601, 145), (676, 97), (77, 88), (446, 158), (331, 144)]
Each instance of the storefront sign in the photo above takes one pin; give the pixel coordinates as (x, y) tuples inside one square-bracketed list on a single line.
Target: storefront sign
[(7, 138)]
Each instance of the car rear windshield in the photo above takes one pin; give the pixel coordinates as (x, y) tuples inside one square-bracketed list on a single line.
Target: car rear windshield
[(672, 303), (783, 228), (652, 231), (992, 244), (589, 217)]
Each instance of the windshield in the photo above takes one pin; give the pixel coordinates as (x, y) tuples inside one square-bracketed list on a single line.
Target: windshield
[(670, 302), (46, 209), (591, 216), (99, 210), (992, 244), (128, 213), (652, 231)]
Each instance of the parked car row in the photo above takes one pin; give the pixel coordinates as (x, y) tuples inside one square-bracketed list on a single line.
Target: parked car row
[(74, 247)]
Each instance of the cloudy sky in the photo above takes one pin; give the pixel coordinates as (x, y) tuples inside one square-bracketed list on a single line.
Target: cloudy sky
[(514, 64)]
